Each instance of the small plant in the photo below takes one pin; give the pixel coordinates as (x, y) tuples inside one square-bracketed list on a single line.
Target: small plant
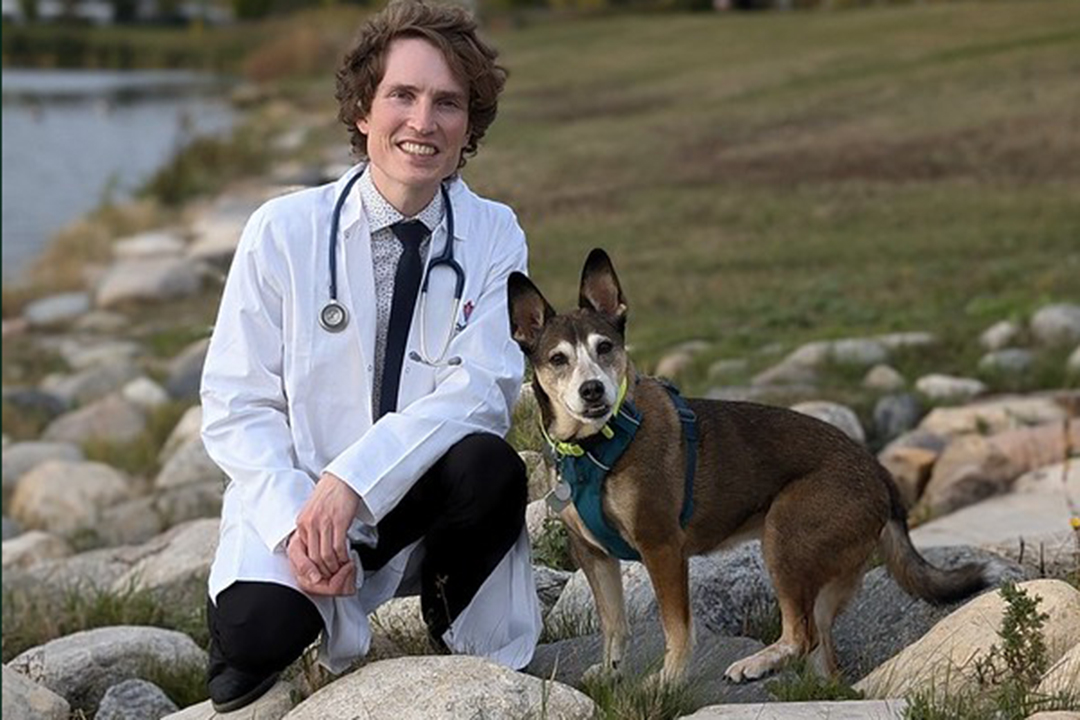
[(552, 548), (763, 622), (639, 698), (184, 684), (804, 684)]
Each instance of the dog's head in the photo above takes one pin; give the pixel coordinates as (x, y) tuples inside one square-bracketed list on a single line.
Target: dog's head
[(579, 358)]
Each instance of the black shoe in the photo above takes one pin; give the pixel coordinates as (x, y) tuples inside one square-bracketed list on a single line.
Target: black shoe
[(232, 689)]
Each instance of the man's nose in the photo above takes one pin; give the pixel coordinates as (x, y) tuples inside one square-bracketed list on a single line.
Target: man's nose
[(423, 117)]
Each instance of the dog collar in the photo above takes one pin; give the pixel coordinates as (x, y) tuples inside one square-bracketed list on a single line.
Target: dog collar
[(561, 448)]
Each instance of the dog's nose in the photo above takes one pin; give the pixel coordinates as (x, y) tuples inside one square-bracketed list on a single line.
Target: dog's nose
[(591, 390)]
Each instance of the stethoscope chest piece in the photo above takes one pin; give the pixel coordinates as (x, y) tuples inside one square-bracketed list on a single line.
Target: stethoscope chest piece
[(333, 317)]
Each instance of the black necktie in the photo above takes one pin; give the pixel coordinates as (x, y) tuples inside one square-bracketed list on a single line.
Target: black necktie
[(406, 286)]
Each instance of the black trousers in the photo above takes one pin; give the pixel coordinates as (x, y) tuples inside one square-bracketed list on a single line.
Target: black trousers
[(469, 508)]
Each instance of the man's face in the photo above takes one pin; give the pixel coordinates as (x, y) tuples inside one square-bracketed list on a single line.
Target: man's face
[(418, 123)]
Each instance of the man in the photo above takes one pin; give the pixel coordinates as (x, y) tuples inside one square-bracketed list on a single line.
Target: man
[(359, 422)]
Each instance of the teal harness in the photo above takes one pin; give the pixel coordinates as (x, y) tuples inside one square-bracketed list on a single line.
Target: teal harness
[(584, 468)]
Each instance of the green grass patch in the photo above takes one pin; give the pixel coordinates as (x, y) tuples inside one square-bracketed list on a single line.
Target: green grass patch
[(804, 684), (640, 698), (552, 548)]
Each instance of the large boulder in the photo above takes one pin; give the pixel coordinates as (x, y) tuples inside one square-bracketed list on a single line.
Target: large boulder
[(1057, 324), (112, 419), (835, 414), (67, 498), (175, 565), (948, 388), (22, 457), (24, 699), (810, 710), (56, 309), (441, 688), (91, 384), (279, 700), (190, 465), (148, 279), (881, 619), (993, 416), (185, 370), (942, 660), (33, 547), (135, 700), (82, 666), (1063, 675)]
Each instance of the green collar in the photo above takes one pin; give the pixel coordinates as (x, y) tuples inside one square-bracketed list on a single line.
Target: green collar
[(569, 449)]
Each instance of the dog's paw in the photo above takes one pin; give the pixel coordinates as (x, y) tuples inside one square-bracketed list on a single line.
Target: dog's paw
[(747, 669)]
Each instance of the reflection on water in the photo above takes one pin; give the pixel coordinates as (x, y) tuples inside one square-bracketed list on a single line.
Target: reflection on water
[(71, 139)]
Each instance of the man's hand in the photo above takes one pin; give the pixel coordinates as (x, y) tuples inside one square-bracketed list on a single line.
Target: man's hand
[(320, 538), (343, 582)]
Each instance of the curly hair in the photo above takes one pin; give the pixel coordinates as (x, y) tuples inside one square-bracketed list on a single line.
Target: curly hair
[(450, 29)]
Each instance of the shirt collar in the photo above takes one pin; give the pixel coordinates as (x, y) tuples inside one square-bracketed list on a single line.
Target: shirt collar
[(381, 214)]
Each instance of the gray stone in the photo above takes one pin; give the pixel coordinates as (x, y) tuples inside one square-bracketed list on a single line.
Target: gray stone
[(135, 700), (540, 475), (189, 502), (11, 528), (81, 354), (836, 415), (1009, 361), (112, 418), (153, 244), (66, 498), (1000, 335), (883, 378), (993, 416), (536, 514), (271, 706), (147, 280), (858, 351), (217, 232), (129, 523), (566, 661), (1072, 365), (35, 401), (186, 428), (56, 309), (1057, 324), (24, 699), (441, 688), (185, 371), (101, 321), (728, 367), (674, 364), (831, 709), (906, 340), (882, 619), (188, 466), (20, 458), (946, 388), (174, 566), (145, 393), (82, 666), (32, 548), (549, 585), (894, 415), (90, 384)]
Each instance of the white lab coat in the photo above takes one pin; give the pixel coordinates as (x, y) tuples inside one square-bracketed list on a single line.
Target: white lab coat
[(284, 400)]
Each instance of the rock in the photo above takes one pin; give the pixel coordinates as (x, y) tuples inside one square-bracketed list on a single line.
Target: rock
[(566, 661), (186, 428), (11, 528), (817, 710), (730, 591), (673, 365), (218, 231), (271, 706), (398, 628), (536, 513), (101, 321), (910, 467), (188, 466), (993, 416), (82, 666), (942, 659), (975, 467), (174, 566), (185, 371), (129, 523), (147, 280), (1051, 554), (26, 700), (549, 585), (67, 497), (441, 688), (1012, 362), (540, 476), (1057, 324), (858, 351), (906, 340), (90, 384), (153, 244), (135, 700), (56, 309), (33, 547), (883, 378), (894, 415), (1000, 335), (80, 354), (728, 367), (144, 393), (836, 415), (1072, 365), (1063, 477), (35, 402), (1061, 677), (112, 419), (946, 388), (20, 458), (882, 619), (189, 502)]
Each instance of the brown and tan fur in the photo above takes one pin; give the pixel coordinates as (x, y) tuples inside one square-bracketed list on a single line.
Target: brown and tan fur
[(819, 501)]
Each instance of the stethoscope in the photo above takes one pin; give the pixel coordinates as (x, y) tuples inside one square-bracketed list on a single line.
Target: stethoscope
[(334, 317)]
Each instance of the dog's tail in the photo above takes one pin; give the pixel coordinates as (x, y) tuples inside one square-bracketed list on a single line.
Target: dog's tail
[(911, 570)]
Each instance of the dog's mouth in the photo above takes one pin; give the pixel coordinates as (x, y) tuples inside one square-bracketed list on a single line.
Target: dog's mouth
[(596, 411)]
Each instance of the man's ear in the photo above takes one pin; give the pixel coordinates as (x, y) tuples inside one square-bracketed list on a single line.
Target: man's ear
[(529, 311), (600, 289)]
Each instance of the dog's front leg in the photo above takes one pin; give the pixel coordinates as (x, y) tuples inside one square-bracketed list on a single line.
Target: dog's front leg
[(669, 572), (604, 576)]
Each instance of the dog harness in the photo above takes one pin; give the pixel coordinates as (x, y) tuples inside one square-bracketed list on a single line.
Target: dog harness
[(584, 467)]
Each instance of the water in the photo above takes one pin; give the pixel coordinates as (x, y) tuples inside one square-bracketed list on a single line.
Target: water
[(72, 138)]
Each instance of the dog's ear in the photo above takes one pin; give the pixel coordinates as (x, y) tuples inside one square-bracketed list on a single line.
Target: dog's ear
[(529, 311), (600, 289)]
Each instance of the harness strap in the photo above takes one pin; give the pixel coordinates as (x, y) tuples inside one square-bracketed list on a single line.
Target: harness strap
[(689, 425)]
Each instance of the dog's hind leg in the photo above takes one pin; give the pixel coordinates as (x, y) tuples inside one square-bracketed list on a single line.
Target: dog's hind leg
[(605, 579), (670, 575), (829, 604)]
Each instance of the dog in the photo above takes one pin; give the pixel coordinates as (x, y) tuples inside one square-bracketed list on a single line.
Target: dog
[(820, 502)]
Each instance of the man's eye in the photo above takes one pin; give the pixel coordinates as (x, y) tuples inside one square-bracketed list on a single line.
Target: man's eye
[(604, 347), (558, 359)]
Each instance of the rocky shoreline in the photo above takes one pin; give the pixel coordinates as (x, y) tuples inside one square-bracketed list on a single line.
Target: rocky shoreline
[(989, 475)]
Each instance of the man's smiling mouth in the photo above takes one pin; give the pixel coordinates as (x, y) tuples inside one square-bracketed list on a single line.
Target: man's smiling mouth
[(413, 148)]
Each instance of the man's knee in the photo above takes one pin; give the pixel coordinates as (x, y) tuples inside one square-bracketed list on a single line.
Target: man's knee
[(262, 627), (486, 474)]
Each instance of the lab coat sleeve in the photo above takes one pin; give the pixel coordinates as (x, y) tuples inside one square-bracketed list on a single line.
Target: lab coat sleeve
[(475, 396), (245, 425)]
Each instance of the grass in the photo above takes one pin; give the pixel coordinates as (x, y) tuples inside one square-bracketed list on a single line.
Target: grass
[(139, 457), (805, 685), (639, 698)]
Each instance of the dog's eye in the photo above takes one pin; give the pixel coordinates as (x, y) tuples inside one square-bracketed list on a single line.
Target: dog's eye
[(604, 347), (558, 359)]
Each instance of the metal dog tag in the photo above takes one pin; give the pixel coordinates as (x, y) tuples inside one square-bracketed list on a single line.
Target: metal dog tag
[(559, 497)]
